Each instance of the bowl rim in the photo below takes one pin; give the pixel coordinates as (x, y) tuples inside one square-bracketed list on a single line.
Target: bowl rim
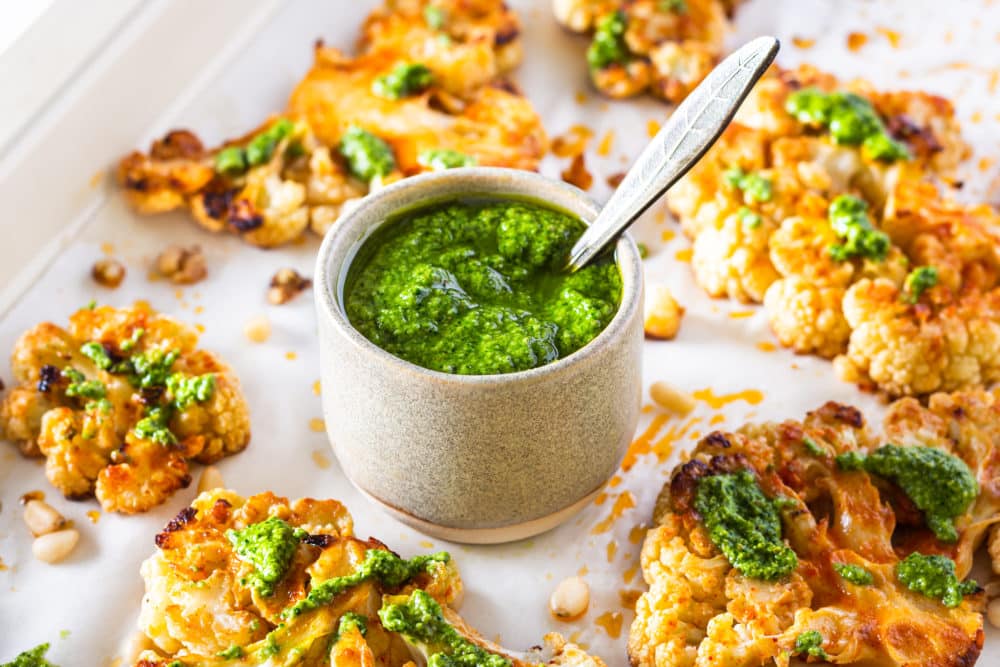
[(344, 234)]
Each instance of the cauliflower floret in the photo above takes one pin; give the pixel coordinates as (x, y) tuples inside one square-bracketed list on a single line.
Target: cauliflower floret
[(733, 260), (176, 168), (915, 349), (119, 402), (678, 67)]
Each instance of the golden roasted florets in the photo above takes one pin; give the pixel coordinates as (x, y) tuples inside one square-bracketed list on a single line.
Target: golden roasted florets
[(666, 48), (205, 601), (849, 529), (294, 173), (781, 211), (119, 402)]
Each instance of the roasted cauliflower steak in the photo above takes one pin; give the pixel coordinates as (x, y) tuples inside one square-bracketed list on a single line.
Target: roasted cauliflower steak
[(426, 90), (119, 402), (825, 541), (850, 238), (665, 47), (265, 581)]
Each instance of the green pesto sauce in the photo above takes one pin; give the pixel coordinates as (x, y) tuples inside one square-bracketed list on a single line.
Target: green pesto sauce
[(235, 160), (939, 484), (744, 524), (755, 188), (383, 566), (233, 652), (850, 119), (478, 287), (675, 6), (434, 17), (367, 155), (608, 46), (812, 447), (404, 80), (32, 658), (855, 574), (810, 643), (352, 621), (154, 426), (918, 281), (849, 219), (439, 159), (421, 622), (269, 546), (934, 576), (80, 386)]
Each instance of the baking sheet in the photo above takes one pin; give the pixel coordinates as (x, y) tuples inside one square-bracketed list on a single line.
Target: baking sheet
[(88, 604)]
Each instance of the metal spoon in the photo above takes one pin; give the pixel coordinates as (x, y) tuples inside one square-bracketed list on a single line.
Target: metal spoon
[(691, 130)]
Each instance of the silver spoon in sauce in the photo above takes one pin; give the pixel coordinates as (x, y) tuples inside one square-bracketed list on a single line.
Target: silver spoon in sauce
[(691, 130)]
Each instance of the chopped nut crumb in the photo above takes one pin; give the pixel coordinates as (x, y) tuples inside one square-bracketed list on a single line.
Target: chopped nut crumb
[(183, 266), (108, 272), (577, 174), (615, 179), (662, 313), (286, 284)]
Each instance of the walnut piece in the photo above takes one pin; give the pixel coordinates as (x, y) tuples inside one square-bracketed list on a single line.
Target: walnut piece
[(183, 266)]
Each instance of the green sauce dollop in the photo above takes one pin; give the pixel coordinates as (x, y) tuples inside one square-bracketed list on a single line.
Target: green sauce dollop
[(608, 46), (810, 643), (420, 620), (478, 288), (850, 119), (744, 524), (367, 155), (855, 574), (404, 80), (849, 219), (934, 576), (440, 159), (380, 565), (352, 621), (939, 484), (269, 546), (32, 658), (755, 188), (918, 281)]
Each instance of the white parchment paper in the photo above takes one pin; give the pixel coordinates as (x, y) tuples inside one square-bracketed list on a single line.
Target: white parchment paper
[(86, 605)]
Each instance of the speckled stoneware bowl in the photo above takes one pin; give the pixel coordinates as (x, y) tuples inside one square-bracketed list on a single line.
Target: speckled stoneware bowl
[(476, 458)]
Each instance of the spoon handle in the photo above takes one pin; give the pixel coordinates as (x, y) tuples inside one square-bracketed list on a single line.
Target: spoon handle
[(690, 131)]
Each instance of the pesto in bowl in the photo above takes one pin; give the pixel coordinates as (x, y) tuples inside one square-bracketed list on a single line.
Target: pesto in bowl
[(478, 287)]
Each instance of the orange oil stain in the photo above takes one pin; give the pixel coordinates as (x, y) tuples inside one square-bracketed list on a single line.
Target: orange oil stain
[(714, 401), (178, 294), (637, 533), (695, 435), (643, 444), (716, 419), (652, 127), (994, 80), (803, 42), (316, 424), (581, 97), (660, 216), (624, 502), (856, 40), (93, 515), (683, 255), (612, 550), (601, 498), (611, 623), (766, 346), (628, 597), (573, 142), (663, 446), (574, 638), (316, 387), (976, 117), (200, 327), (985, 163), (291, 356), (667, 235), (3, 566), (583, 571), (646, 409), (615, 481), (629, 574), (607, 141), (108, 248), (426, 544), (321, 460), (198, 310), (893, 36), (741, 314)]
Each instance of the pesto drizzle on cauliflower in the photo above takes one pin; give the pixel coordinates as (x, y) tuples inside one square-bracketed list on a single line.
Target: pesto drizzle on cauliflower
[(939, 484), (269, 546), (744, 524), (934, 576), (850, 119)]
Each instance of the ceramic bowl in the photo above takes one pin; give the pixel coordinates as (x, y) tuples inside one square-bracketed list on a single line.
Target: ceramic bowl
[(476, 458)]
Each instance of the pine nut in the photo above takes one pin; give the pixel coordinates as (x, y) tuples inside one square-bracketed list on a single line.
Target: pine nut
[(662, 314), (671, 398), (570, 599), (42, 518), (210, 479), (56, 546), (258, 329), (993, 613), (108, 272)]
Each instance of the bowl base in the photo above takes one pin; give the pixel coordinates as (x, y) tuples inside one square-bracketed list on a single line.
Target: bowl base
[(512, 533)]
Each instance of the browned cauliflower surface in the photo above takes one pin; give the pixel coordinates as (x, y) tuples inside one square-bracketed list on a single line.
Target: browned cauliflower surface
[(832, 583), (663, 47), (237, 581), (426, 91), (119, 402), (854, 250)]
